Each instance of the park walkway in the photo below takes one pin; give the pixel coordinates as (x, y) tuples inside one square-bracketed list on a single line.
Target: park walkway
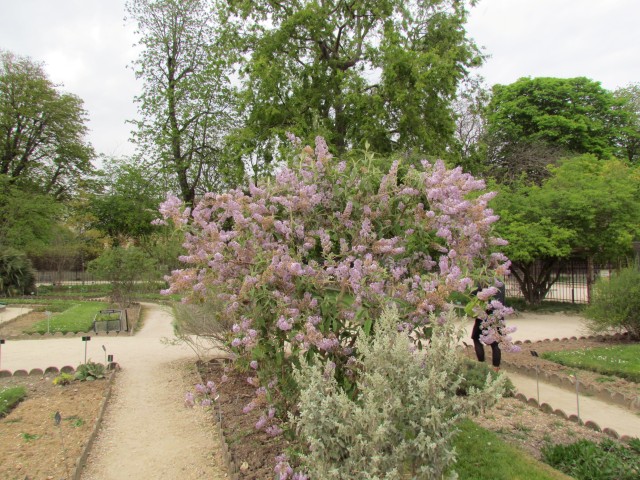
[(536, 327), (147, 432)]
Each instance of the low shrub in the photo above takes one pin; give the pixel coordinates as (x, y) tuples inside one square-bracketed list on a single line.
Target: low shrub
[(615, 303), (402, 422), (17, 276), (63, 379), (90, 371), (586, 460), (9, 398), (476, 375)]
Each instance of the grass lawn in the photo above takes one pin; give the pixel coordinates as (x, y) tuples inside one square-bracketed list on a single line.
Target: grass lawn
[(482, 455), (77, 317), (621, 361), (9, 398)]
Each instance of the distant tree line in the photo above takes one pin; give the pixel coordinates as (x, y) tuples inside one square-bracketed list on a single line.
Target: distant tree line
[(223, 83)]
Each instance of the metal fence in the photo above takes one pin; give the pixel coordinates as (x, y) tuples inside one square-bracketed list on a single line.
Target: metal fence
[(76, 277), (571, 285)]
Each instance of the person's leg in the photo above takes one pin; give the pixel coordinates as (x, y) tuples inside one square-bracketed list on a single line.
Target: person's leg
[(475, 336), (496, 354)]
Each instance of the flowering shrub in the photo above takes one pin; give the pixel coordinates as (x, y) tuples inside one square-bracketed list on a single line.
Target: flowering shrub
[(405, 414), (305, 262)]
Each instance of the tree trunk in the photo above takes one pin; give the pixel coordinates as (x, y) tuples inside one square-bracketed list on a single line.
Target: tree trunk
[(536, 278), (590, 277)]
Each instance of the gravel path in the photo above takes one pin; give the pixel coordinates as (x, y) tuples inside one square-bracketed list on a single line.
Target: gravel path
[(147, 432)]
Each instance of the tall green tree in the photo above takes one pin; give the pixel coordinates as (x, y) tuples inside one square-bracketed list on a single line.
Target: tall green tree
[(126, 202), (630, 140), (553, 118), (588, 208), (377, 71), (27, 219), (184, 101), (42, 130)]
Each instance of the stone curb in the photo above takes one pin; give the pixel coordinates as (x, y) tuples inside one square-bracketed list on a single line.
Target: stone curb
[(599, 338), (82, 459), (36, 372), (232, 468), (546, 408), (563, 381), (49, 336)]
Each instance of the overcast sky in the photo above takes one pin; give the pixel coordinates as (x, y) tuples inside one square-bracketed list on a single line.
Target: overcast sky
[(87, 47)]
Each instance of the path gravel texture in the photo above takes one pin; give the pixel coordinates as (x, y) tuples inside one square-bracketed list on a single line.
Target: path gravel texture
[(536, 327)]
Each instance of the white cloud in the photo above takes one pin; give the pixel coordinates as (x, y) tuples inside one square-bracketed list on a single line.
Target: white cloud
[(562, 38)]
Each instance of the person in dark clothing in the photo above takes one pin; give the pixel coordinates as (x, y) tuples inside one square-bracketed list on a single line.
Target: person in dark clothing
[(496, 354)]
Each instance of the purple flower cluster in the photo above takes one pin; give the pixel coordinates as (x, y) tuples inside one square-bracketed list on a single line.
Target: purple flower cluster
[(204, 395)]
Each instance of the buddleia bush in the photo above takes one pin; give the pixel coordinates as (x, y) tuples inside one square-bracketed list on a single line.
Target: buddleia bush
[(401, 423), (17, 276), (615, 303), (302, 263)]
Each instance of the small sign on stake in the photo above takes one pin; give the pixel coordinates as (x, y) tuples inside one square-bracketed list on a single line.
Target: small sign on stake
[(1, 343), (535, 354), (85, 340)]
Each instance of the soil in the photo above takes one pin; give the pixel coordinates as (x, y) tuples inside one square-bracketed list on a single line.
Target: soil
[(31, 445), (252, 451), (20, 324)]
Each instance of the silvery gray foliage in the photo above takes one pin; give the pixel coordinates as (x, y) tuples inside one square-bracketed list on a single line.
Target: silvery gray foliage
[(402, 423)]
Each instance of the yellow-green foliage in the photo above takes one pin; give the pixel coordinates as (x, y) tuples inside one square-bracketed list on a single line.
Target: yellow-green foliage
[(63, 379)]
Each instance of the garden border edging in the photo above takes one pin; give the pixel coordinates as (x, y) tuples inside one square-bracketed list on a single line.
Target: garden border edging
[(82, 459), (232, 468)]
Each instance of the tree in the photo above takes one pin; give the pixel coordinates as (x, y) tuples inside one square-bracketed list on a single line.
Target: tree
[(469, 107), (42, 130), (630, 141), (126, 203), (126, 269), (27, 219), (588, 208), (536, 242), (382, 72), (184, 102), (556, 117)]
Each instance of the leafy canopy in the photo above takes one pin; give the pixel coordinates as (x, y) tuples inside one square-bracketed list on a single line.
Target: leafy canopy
[(382, 72), (184, 104), (42, 130), (534, 122)]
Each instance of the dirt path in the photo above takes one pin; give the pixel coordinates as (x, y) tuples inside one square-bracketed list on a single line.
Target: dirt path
[(147, 432)]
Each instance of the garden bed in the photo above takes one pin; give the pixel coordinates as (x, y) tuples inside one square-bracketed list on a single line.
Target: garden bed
[(252, 453), (31, 445)]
